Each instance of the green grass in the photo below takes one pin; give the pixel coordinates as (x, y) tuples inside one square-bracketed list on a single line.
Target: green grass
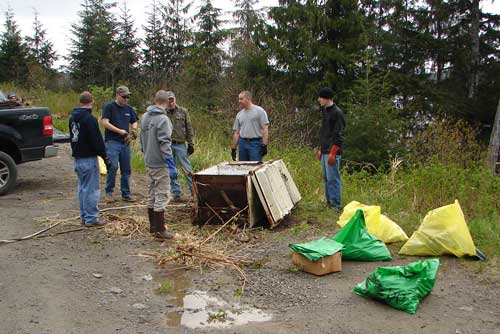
[(405, 195)]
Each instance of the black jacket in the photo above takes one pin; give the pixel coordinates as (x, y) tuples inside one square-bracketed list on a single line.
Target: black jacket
[(86, 138), (332, 128)]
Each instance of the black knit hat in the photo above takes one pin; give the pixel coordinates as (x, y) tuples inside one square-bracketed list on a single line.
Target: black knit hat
[(326, 93)]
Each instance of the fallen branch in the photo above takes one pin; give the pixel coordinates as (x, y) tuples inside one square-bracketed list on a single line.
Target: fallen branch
[(234, 217), (31, 235)]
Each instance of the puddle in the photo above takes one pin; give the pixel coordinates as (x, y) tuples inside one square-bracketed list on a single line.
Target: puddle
[(203, 311), (196, 309)]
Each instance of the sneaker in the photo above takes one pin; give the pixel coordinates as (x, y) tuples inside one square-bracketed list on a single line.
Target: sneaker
[(101, 222), (177, 199), (128, 198), (108, 198)]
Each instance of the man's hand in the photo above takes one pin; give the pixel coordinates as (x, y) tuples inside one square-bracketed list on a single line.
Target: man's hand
[(318, 154), (190, 149), (108, 163), (172, 170), (133, 134), (127, 139), (263, 150), (233, 154), (332, 155)]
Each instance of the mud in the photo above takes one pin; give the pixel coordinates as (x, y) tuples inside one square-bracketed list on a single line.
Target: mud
[(52, 284)]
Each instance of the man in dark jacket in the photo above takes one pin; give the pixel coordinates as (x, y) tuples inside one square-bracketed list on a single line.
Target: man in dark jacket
[(330, 151), (86, 145)]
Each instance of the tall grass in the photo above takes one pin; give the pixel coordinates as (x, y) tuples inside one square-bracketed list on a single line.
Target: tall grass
[(405, 193)]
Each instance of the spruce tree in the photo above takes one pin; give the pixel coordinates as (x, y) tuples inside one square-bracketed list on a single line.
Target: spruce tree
[(127, 47), (93, 45), (155, 50), (13, 53), (40, 49), (315, 43), (176, 34), (206, 58)]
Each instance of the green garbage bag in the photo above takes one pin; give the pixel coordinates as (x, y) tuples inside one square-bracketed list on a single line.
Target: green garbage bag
[(317, 249), (402, 287), (359, 245)]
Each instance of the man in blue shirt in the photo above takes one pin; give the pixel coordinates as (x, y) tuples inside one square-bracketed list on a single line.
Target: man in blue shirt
[(120, 126)]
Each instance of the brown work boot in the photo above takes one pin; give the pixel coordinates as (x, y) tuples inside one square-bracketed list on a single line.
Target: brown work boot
[(151, 219), (161, 232)]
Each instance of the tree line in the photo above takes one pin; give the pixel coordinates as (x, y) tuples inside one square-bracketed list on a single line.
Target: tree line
[(395, 65)]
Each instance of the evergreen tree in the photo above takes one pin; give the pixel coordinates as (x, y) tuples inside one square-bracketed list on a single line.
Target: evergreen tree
[(205, 65), (176, 34), (127, 47), (249, 62), (155, 51), (248, 18), (13, 53), (40, 49), (315, 43), (92, 47)]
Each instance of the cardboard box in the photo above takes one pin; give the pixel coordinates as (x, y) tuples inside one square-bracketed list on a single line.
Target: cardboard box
[(325, 265)]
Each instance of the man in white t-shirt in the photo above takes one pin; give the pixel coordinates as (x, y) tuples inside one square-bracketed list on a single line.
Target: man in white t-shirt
[(251, 130)]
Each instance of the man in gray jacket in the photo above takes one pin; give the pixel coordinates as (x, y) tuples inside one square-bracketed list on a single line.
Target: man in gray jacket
[(156, 145)]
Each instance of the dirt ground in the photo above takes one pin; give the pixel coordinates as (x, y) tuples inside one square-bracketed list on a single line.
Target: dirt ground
[(89, 282)]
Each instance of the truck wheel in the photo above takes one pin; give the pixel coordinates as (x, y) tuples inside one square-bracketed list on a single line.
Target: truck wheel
[(8, 173)]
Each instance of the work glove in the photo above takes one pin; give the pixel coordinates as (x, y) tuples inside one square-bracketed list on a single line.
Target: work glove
[(333, 153), (233, 154), (172, 170), (127, 139), (318, 154), (108, 163), (263, 150), (133, 134), (190, 149)]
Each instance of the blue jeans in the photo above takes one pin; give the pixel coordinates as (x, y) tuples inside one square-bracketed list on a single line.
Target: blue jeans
[(179, 151), (249, 150), (333, 183), (119, 153), (87, 171)]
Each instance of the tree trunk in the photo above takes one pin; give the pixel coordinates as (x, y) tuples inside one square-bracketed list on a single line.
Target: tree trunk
[(494, 160), (475, 56)]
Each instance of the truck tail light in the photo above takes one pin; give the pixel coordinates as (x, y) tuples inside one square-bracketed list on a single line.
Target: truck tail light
[(48, 129)]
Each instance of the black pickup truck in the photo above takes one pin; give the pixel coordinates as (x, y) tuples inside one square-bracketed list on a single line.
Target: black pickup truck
[(26, 134)]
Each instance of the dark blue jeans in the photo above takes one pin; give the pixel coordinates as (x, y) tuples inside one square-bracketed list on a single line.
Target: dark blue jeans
[(249, 150), (87, 171), (119, 153), (333, 183)]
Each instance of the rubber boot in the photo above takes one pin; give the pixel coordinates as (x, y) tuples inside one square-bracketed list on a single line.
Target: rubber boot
[(161, 232), (152, 222)]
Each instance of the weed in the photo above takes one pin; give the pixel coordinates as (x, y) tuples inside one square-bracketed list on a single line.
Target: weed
[(165, 286)]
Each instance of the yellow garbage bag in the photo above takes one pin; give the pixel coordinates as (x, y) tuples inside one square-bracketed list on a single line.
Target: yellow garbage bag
[(443, 231), (102, 166), (378, 224)]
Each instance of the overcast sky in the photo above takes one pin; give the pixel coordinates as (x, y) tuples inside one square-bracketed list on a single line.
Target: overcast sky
[(58, 15)]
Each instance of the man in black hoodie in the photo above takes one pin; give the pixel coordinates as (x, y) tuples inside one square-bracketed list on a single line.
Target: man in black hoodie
[(331, 136), (86, 145)]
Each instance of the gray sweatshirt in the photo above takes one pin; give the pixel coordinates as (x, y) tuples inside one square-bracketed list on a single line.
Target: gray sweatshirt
[(156, 137)]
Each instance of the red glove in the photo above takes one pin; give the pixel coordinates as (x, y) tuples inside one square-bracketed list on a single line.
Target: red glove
[(333, 153), (318, 154)]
